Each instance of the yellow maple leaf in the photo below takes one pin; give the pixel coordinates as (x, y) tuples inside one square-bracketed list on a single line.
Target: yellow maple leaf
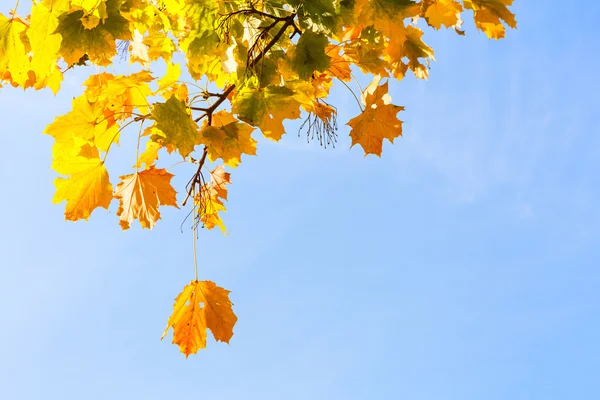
[(210, 199), (84, 124), (86, 187), (413, 48), (170, 78), (200, 306), (13, 50), (141, 194), (489, 14), (228, 138), (443, 12), (377, 122), (159, 45), (96, 84), (209, 208), (122, 94), (94, 11), (339, 67), (45, 45), (149, 155)]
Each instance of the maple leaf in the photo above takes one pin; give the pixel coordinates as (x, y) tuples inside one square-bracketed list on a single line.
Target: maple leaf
[(94, 11), (84, 124), (489, 14), (201, 43), (366, 51), (309, 54), (413, 48), (138, 50), (267, 108), (218, 179), (377, 122), (339, 65), (150, 155), (210, 198), (443, 12), (200, 306), (123, 94), (171, 77), (228, 139), (209, 208), (45, 44), (174, 121), (141, 193), (98, 42), (13, 50), (86, 188)]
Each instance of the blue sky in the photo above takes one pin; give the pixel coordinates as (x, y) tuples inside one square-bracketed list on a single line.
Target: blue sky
[(462, 265)]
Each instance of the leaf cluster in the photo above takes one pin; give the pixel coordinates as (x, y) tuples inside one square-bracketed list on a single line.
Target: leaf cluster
[(253, 65)]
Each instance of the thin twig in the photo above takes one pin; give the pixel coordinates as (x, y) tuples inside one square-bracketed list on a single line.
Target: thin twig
[(196, 178)]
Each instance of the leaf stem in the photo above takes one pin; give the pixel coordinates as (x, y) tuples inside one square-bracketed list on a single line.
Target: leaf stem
[(195, 233), (137, 150)]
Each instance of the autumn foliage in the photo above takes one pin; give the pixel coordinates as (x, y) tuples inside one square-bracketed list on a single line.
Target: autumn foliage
[(234, 69)]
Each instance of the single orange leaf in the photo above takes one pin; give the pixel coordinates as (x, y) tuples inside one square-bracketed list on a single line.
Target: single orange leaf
[(200, 306), (141, 193), (377, 122)]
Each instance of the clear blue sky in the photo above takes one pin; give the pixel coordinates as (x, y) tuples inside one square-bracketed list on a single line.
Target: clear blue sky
[(461, 265)]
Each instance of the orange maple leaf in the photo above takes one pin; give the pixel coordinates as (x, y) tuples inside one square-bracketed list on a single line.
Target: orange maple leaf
[(489, 14), (377, 122), (141, 193), (443, 12), (201, 305)]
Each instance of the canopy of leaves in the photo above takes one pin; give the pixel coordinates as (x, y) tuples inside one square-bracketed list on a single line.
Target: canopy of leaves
[(254, 64)]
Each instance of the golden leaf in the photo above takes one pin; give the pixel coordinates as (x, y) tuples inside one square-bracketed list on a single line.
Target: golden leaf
[(149, 155), (228, 139), (489, 14), (141, 194), (443, 12), (84, 124), (377, 122), (86, 188), (13, 51), (123, 94), (171, 77), (200, 306), (339, 67), (210, 199), (218, 179), (45, 45)]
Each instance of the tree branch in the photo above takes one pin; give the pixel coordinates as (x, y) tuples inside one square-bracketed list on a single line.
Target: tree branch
[(221, 97)]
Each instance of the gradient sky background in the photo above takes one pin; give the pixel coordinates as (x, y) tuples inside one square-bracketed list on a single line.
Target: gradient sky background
[(461, 265)]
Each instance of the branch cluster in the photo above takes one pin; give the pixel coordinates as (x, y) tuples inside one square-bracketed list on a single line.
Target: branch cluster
[(288, 21)]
